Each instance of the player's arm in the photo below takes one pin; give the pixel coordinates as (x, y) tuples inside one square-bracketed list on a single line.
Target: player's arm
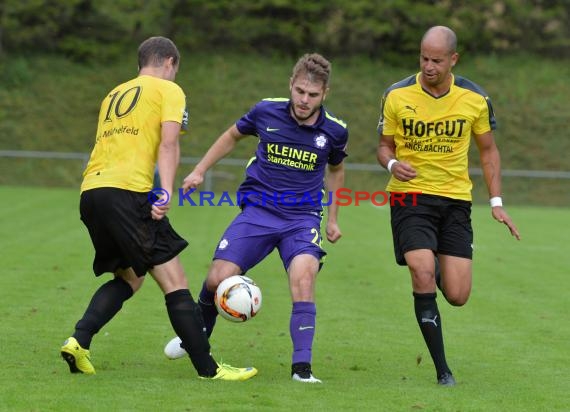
[(334, 180), (491, 165), (168, 159), (219, 149), (490, 162), (386, 155)]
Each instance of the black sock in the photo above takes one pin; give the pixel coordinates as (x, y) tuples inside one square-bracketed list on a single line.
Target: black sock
[(429, 320), (186, 319), (105, 303)]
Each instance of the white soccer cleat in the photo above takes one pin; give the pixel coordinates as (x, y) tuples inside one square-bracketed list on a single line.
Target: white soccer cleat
[(301, 372), (173, 350), (308, 379)]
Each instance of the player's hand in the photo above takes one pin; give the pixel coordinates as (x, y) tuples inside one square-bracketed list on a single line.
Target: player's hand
[(403, 171), (192, 181), (333, 232), (159, 210), (501, 216)]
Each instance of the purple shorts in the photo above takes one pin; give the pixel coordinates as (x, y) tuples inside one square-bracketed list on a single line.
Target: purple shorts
[(256, 231)]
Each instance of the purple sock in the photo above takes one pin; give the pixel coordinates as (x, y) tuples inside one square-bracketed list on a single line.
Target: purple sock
[(209, 311), (302, 329)]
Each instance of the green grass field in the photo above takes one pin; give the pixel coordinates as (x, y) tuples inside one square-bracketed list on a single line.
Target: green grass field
[(508, 347)]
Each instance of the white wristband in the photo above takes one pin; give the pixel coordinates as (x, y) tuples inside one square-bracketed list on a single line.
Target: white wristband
[(390, 164), (496, 201)]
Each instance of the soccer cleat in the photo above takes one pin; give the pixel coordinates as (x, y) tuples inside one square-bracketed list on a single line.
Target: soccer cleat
[(76, 357), (301, 372), (446, 379), (226, 372), (174, 350)]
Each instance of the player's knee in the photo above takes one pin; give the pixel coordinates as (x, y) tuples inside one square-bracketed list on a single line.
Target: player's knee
[(129, 276), (220, 270), (214, 279), (423, 280), (302, 287), (136, 283)]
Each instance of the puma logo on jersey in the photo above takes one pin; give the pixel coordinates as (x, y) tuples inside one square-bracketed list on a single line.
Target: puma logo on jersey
[(413, 109)]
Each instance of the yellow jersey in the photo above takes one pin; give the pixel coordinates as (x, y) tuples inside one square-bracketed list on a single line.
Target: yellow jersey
[(129, 133), (433, 134)]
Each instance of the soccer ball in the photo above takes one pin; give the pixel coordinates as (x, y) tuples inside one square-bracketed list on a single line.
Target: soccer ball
[(238, 298)]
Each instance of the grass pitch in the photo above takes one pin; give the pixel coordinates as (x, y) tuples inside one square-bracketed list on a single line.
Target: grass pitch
[(507, 347)]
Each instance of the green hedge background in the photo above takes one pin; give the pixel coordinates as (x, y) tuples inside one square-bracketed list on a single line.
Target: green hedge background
[(89, 29)]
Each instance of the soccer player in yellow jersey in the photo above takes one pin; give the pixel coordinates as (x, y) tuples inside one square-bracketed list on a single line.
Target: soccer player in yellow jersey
[(139, 125), (425, 128)]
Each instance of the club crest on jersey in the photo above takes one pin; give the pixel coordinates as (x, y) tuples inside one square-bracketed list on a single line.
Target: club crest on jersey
[(223, 244), (320, 141)]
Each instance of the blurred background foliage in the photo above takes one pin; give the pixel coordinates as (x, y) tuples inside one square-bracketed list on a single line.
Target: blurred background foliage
[(103, 29)]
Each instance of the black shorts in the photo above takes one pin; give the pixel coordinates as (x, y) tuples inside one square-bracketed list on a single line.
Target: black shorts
[(123, 232), (438, 223)]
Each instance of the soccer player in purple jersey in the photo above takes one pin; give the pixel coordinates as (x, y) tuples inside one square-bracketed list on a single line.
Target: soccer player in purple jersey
[(301, 149)]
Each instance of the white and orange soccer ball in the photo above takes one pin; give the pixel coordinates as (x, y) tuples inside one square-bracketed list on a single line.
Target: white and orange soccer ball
[(238, 298)]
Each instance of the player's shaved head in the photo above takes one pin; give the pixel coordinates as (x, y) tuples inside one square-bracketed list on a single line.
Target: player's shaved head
[(441, 35)]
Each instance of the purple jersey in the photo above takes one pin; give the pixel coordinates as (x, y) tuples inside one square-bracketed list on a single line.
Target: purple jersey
[(288, 170)]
